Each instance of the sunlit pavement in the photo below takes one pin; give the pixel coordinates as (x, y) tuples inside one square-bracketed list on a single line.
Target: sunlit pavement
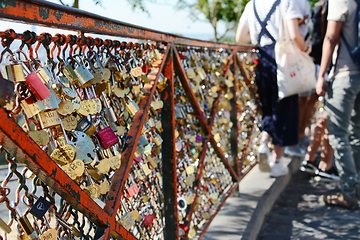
[(288, 207)]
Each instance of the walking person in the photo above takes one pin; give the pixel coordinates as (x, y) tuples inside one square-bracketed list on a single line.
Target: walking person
[(259, 25), (342, 103)]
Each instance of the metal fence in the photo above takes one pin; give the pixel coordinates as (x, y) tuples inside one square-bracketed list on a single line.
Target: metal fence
[(112, 139)]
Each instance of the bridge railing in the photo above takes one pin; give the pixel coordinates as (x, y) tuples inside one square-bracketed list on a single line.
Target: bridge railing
[(120, 139)]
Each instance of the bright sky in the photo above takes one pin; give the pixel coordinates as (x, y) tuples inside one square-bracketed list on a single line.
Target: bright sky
[(164, 17)]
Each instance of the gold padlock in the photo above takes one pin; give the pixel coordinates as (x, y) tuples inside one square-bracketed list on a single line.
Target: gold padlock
[(14, 72), (49, 119)]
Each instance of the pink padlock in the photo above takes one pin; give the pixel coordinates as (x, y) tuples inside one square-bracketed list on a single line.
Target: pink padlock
[(37, 87), (106, 136), (35, 84)]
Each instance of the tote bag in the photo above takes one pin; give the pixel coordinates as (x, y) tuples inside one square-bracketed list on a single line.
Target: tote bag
[(295, 68)]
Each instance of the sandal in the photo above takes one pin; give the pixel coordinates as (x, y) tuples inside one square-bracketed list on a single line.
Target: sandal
[(341, 200)]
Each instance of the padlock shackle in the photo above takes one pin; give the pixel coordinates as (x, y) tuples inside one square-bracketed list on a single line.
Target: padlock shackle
[(6, 50), (75, 59), (90, 63)]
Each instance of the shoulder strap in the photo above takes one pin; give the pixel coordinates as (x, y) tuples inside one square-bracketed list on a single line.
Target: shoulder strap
[(264, 23)]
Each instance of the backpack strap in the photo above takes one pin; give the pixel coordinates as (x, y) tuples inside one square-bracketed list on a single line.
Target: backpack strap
[(263, 24)]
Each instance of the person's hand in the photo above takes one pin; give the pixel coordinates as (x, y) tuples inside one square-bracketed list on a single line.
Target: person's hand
[(320, 86), (309, 49)]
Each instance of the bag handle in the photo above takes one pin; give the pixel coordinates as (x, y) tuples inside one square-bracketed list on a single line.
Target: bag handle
[(283, 30)]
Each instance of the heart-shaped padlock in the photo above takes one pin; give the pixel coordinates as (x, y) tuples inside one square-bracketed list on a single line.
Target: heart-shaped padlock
[(84, 146)]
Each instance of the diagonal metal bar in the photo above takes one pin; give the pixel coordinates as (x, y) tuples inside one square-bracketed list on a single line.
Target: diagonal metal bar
[(201, 164), (247, 80), (25, 150), (179, 69), (120, 176), (215, 211)]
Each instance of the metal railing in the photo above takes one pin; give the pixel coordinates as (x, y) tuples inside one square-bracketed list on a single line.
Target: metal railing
[(184, 116)]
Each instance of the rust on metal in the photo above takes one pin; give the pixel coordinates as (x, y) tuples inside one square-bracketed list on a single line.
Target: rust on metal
[(57, 16), (180, 71), (169, 153), (121, 174), (25, 150), (202, 162), (223, 159)]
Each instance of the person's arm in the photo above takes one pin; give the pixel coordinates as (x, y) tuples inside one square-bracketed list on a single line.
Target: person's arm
[(242, 33), (294, 34), (331, 39)]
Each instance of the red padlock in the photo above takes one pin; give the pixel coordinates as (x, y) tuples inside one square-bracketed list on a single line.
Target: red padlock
[(35, 84), (106, 136), (183, 229), (37, 87), (148, 219)]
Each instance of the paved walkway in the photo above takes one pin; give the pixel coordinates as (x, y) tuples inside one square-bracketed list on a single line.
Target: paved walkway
[(242, 217), (288, 207), (299, 213)]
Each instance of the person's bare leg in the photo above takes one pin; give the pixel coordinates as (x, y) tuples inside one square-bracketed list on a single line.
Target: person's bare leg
[(265, 136), (327, 152), (315, 139), (307, 113), (278, 152)]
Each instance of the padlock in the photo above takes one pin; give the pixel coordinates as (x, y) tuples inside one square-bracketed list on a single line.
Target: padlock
[(132, 188), (106, 135), (51, 102), (109, 113), (49, 119), (93, 189), (127, 220), (84, 125), (14, 72), (97, 74), (31, 106), (75, 232), (85, 78), (44, 73), (130, 105), (105, 72), (69, 72), (33, 81), (84, 146), (26, 225)]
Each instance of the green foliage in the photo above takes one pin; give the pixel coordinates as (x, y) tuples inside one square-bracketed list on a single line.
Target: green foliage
[(214, 12), (312, 2)]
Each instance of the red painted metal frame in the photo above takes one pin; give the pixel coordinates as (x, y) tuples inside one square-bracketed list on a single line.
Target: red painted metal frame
[(191, 96), (201, 163), (57, 16), (25, 150), (169, 152), (118, 181)]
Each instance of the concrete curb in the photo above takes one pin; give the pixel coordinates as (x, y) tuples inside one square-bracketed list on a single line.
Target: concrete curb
[(267, 201)]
